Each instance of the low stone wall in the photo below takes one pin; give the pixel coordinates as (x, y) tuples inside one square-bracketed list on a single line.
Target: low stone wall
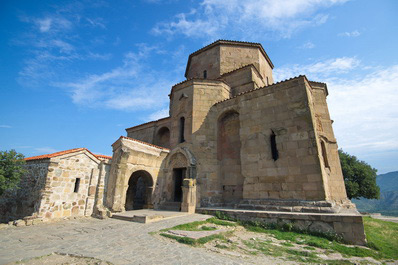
[(349, 226)]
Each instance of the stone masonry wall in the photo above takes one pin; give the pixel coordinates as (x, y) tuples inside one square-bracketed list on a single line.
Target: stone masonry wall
[(283, 109), (333, 177), (130, 156), (181, 106), (59, 197), (234, 57), (208, 60), (242, 80), (148, 132)]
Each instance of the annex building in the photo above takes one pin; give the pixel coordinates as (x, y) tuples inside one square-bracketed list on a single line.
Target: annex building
[(234, 141)]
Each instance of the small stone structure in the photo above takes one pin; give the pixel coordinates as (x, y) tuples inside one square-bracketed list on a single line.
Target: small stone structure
[(234, 139), (63, 184)]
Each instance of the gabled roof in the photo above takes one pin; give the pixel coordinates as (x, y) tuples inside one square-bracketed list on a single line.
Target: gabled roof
[(142, 142), (230, 42), (47, 156), (103, 157), (264, 87), (136, 126)]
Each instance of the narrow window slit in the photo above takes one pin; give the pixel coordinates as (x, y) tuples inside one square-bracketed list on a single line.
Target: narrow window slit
[(324, 154), (182, 128), (205, 74), (274, 149), (77, 184)]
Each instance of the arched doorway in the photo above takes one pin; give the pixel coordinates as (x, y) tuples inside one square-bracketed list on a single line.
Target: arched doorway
[(139, 192)]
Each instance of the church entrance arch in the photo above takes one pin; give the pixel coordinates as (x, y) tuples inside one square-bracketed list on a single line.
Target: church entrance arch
[(139, 191)]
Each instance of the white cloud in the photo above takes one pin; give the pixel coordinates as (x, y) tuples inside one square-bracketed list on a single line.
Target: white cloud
[(307, 45), (317, 70), (5, 126), (365, 110), (45, 150), (131, 86), (54, 44), (159, 114), (50, 24), (96, 22), (63, 46), (354, 33), (98, 56), (44, 24), (362, 102), (280, 18)]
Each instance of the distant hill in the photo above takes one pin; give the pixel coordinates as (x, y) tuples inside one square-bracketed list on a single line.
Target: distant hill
[(388, 203), (388, 181)]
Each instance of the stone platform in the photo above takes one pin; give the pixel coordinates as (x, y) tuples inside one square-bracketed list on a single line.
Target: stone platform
[(147, 215), (348, 225)]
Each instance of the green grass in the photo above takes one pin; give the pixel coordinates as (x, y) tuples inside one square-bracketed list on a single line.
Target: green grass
[(194, 226), (319, 242), (217, 221), (195, 242), (207, 228), (382, 236), (200, 225), (382, 239)]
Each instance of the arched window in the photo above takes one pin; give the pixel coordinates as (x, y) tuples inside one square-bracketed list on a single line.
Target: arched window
[(163, 137), (229, 157), (324, 155), (182, 128), (205, 74), (274, 149)]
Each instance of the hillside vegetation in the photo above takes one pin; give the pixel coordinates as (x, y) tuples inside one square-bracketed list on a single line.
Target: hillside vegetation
[(388, 202)]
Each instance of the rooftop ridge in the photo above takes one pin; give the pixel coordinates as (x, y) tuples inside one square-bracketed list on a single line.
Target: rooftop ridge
[(103, 156), (146, 123), (142, 142), (229, 42), (198, 79), (237, 69), (223, 41), (47, 156), (317, 82), (255, 89)]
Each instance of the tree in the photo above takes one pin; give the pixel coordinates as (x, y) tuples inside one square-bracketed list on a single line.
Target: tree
[(359, 177), (11, 169)]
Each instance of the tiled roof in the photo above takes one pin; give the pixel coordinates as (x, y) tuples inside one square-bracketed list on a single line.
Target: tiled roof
[(142, 142), (229, 42), (147, 123), (47, 156), (103, 157)]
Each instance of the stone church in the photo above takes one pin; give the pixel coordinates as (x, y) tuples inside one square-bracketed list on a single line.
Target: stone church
[(233, 140)]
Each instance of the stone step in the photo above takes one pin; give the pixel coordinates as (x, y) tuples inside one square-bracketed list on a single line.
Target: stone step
[(170, 206), (288, 203), (280, 208)]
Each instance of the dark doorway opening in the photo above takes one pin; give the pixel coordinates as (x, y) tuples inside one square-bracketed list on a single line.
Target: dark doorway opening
[(178, 175), (137, 195)]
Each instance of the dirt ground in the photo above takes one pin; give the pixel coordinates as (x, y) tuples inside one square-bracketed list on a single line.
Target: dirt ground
[(61, 259)]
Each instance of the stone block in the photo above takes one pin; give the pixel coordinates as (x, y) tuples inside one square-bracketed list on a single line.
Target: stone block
[(19, 223)]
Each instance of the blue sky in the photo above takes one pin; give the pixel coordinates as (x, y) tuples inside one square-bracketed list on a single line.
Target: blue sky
[(77, 73)]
